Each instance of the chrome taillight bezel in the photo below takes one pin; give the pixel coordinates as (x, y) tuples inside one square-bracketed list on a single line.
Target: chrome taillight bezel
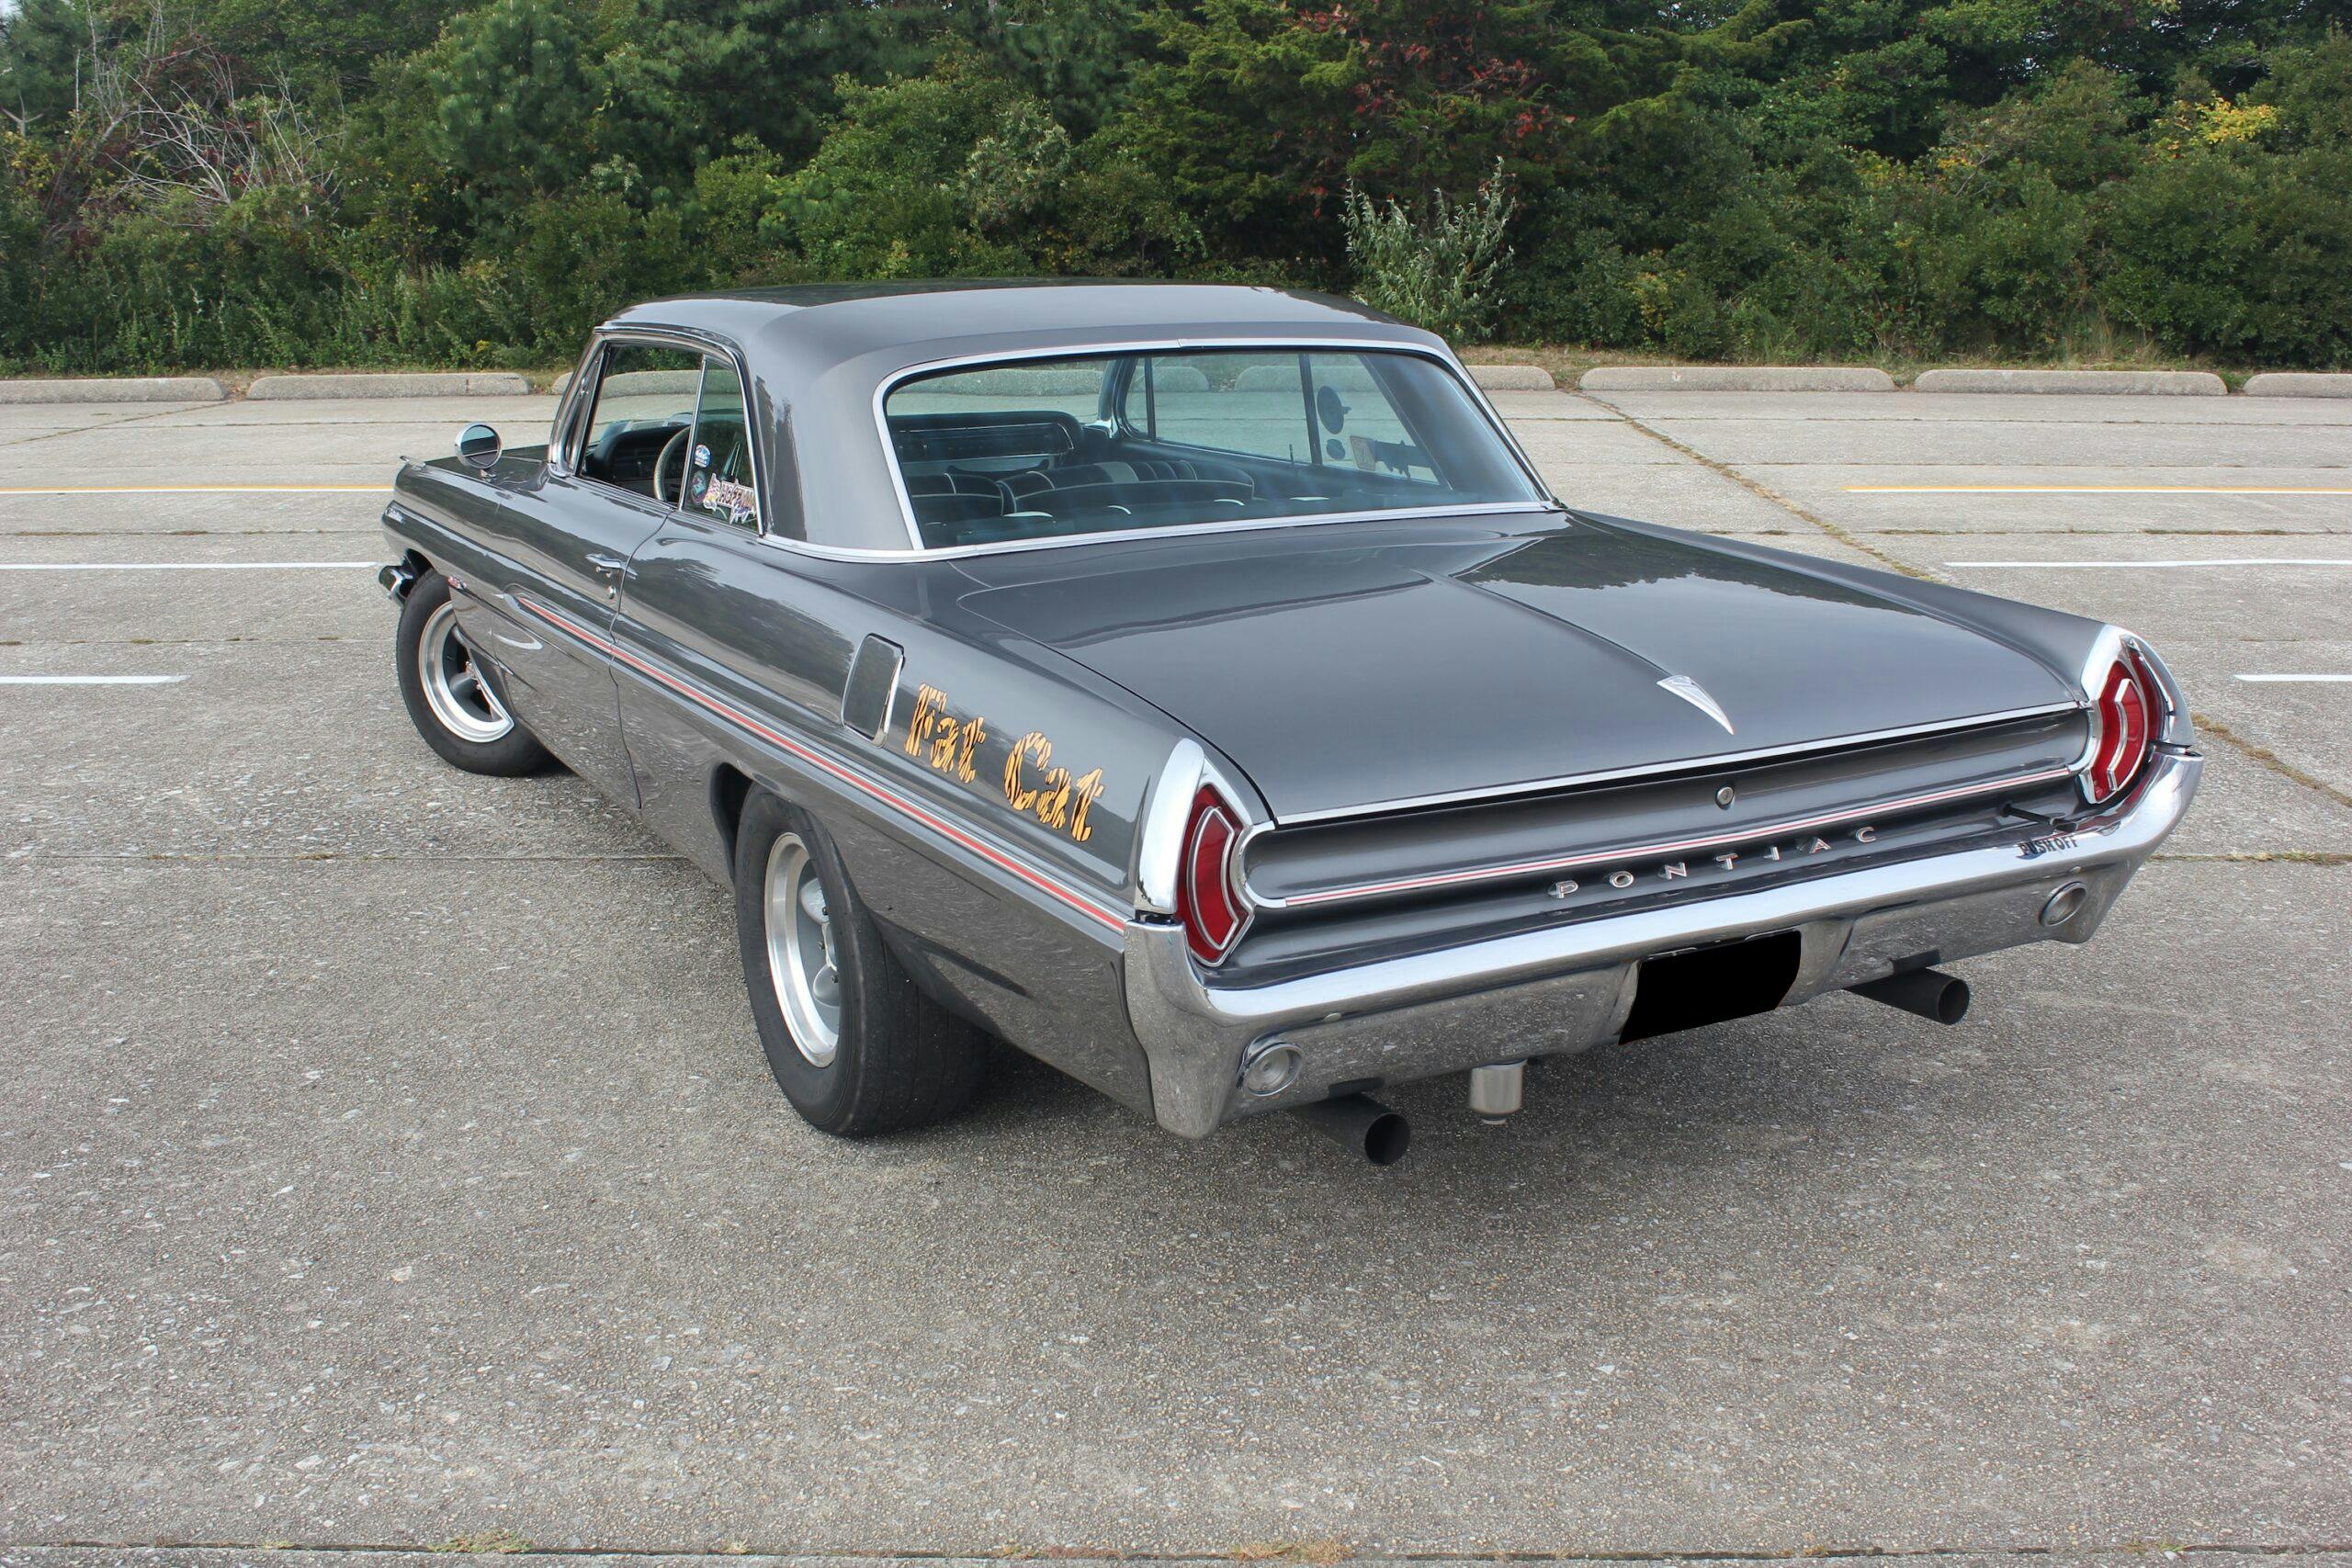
[(2120, 664)]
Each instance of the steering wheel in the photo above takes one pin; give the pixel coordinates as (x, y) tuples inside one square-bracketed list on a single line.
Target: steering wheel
[(677, 445)]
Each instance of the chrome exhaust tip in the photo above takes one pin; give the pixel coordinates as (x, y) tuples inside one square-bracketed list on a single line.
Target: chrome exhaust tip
[(396, 580)]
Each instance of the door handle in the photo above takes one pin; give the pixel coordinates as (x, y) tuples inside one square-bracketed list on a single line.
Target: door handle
[(611, 566)]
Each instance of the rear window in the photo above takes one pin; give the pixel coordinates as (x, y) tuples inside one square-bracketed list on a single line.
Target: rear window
[(1097, 443)]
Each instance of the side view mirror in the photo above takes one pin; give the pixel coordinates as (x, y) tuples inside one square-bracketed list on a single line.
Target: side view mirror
[(479, 447)]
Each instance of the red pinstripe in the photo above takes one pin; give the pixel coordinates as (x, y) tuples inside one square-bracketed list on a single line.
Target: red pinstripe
[(817, 759)]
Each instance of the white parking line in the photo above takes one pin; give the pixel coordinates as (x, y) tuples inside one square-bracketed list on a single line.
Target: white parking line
[(195, 489), (2157, 565), (188, 566), (2097, 490), (89, 680), (2320, 680)]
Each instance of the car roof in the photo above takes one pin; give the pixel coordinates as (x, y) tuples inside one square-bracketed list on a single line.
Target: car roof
[(855, 319), (818, 359)]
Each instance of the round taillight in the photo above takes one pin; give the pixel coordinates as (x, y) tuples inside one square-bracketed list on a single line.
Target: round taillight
[(2126, 713), (1207, 901)]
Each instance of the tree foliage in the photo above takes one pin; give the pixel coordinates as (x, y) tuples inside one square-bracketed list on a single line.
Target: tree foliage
[(206, 182)]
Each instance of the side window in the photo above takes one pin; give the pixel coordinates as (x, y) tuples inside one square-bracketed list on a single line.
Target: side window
[(1255, 405), (1245, 403), (1370, 434), (719, 471), (643, 413)]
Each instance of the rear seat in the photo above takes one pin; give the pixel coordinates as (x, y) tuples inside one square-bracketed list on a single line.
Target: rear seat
[(954, 498), (1076, 487), (1082, 487)]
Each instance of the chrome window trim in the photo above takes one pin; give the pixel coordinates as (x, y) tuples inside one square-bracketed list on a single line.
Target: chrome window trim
[(1684, 765), (693, 440), (559, 430), (1189, 530), (688, 342), (1443, 359)]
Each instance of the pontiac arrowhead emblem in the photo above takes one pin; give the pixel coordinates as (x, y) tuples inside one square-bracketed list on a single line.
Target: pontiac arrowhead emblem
[(1691, 691)]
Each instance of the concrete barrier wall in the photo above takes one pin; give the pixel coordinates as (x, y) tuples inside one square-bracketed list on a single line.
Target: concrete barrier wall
[(1735, 379), (116, 389), (2144, 383), (393, 384), (1494, 378), (1513, 377), (2298, 384)]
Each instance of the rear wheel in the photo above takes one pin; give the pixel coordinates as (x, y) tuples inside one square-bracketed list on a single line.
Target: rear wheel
[(449, 695), (851, 1041)]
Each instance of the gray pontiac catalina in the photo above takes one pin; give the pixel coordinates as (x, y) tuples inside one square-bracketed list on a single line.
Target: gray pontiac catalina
[(1197, 687)]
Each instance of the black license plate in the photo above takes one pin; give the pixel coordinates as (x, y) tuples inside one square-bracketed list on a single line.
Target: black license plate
[(1709, 985)]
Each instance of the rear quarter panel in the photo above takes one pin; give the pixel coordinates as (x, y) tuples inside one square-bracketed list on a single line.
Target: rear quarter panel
[(992, 826)]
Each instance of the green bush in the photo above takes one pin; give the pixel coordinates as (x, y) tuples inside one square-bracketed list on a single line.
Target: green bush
[(1440, 270), (219, 183)]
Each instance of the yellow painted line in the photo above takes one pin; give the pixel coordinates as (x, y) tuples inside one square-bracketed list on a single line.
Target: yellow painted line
[(196, 490), (2097, 490)]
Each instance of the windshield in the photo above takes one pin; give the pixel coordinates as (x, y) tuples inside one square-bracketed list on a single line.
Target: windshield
[(1039, 448)]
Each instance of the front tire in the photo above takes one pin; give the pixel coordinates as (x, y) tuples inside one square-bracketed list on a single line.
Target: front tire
[(449, 694), (854, 1044)]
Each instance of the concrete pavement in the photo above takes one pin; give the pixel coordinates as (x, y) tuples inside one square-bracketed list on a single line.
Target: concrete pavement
[(389, 1162)]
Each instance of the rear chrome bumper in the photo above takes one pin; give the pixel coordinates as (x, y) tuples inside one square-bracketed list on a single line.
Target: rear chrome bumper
[(1563, 989)]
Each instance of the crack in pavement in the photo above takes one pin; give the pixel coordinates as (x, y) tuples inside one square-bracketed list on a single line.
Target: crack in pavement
[(2264, 757), (102, 424), (2256, 857), (1756, 488)]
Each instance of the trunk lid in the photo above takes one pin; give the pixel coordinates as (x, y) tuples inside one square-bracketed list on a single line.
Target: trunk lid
[(1345, 668)]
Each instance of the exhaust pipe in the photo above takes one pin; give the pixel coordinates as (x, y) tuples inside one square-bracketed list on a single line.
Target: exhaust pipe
[(1943, 998), (396, 580), (1362, 1126), (1496, 1091)]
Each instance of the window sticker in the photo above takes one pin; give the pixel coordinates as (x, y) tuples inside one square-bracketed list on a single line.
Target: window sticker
[(702, 456), (737, 502)]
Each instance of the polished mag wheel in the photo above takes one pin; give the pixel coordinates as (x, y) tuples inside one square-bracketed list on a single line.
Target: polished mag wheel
[(855, 1043), (452, 697), (802, 966), (454, 688)]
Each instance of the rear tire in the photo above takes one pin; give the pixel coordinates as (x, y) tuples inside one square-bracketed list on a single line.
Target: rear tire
[(449, 695), (854, 1044)]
